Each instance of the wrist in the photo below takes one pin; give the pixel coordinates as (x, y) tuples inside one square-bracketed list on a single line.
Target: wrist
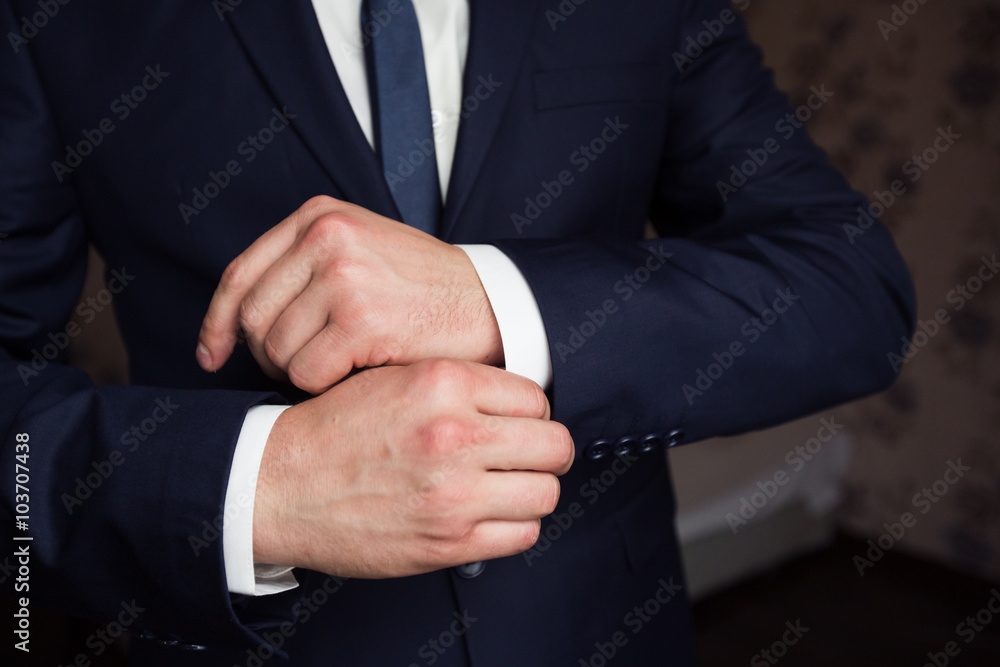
[(486, 343), (272, 527)]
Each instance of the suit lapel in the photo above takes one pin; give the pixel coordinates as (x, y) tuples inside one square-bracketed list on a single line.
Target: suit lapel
[(498, 34), (285, 43)]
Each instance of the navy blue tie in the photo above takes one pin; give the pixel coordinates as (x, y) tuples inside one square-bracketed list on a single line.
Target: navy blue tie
[(401, 110)]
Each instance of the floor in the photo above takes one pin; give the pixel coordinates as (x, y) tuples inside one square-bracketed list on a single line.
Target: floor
[(903, 611)]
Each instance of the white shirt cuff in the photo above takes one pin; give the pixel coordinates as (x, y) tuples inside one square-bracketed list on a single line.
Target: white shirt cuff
[(522, 332), (242, 574)]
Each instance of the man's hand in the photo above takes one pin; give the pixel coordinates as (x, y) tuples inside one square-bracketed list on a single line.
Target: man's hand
[(407, 469), (335, 287)]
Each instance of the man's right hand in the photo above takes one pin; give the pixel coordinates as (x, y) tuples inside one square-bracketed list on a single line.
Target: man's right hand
[(401, 470)]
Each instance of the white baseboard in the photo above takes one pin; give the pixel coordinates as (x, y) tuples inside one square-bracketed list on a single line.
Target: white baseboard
[(721, 559)]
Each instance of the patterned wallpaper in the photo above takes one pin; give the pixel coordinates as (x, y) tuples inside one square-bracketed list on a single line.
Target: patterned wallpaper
[(915, 124)]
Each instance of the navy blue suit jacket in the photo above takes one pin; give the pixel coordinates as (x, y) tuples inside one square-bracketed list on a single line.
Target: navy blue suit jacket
[(171, 135)]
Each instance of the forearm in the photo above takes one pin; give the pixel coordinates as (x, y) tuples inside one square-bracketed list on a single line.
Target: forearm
[(649, 320), (126, 488)]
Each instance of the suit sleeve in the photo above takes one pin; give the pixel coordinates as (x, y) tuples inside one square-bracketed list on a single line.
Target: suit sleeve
[(120, 521), (756, 307)]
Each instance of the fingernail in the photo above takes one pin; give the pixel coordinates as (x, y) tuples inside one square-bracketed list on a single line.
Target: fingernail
[(204, 356)]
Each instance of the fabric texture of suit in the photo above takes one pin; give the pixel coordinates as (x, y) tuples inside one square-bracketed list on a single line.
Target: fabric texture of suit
[(588, 117)]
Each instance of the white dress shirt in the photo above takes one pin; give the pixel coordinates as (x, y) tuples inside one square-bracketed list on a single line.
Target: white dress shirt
[(444, 31)]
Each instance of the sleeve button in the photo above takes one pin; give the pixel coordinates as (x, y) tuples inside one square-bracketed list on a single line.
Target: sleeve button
[(650, 442), (625, 445), (598, 449)]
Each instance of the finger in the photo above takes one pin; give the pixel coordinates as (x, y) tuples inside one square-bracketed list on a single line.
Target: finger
[(502, 393), (516, 495), (264, 304), (324, 361), (218, 333), (497, 539), (526, 444), (300, 322)]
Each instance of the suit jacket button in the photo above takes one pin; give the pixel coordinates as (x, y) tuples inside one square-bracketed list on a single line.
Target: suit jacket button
[(470, 570), (598, 449), (675, 437), (625, 445), (649, 442)]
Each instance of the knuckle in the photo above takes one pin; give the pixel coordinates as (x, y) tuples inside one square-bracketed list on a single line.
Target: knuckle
[(274, 352), (319, 202), (361, 312), (381, 353), (331, 231), (442, 374), (452, 529), (351, 275), (455, 494), (249, 314), (437, 552), (235, 276), (442, 436)]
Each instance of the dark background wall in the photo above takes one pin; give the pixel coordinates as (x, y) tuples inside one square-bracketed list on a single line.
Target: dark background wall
[(895, 91)]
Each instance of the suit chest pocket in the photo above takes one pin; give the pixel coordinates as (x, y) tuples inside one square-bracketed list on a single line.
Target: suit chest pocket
[(611, 84)]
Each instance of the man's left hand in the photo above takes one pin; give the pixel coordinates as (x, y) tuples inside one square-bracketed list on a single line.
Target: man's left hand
[(335, 287)]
